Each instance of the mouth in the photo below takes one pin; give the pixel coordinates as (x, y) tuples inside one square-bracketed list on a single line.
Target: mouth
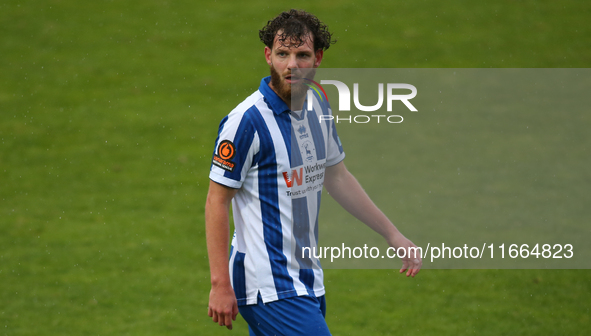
[(293, 79)]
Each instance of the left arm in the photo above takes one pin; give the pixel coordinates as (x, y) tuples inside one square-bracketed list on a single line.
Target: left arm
[(347, 191)]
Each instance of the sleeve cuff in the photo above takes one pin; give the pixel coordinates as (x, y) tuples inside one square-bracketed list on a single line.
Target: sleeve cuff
[(336, 160), (228, 182)]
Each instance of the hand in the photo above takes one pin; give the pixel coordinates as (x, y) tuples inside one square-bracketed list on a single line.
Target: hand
[(223, 307), (411, 258)]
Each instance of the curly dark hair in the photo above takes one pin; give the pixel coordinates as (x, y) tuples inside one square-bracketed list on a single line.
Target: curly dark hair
[(295, 26)]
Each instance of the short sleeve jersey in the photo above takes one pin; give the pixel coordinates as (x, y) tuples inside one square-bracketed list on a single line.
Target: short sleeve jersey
[(277, 160)]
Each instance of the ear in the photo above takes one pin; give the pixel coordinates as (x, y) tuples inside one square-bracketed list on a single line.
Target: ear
[(268, 52), (319, 54)]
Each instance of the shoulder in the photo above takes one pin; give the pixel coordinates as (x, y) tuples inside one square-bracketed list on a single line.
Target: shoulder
[(242, 114), (247, 109), (247, 103), (319, 100)]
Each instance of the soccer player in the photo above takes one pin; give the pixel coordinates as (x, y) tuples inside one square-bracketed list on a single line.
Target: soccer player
[(271, 159)]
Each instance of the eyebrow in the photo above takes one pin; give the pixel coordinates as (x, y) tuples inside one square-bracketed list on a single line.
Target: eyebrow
[(285, 49)]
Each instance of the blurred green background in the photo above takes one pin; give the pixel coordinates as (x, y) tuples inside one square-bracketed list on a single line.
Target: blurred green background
[(108, 113)]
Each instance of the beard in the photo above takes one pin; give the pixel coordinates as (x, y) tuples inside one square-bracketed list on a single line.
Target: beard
[(290, 92)]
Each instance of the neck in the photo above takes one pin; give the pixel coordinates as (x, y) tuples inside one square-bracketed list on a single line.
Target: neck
[(296, 105)]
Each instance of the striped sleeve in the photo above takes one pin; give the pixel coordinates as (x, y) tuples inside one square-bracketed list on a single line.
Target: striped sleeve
[(235, 147)]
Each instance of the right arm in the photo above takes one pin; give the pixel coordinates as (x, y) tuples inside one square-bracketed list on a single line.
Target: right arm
[(223, 307)]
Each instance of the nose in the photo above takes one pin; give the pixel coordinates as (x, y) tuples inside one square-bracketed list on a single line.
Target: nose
[(292, 63)]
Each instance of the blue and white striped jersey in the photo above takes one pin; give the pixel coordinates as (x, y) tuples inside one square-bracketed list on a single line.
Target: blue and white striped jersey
[(277, 159)]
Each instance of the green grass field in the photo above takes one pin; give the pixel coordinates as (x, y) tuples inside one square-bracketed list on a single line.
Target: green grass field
[(108, 113)]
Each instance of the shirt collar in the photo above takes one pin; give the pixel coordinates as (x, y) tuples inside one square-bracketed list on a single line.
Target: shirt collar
[(277, 104)]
